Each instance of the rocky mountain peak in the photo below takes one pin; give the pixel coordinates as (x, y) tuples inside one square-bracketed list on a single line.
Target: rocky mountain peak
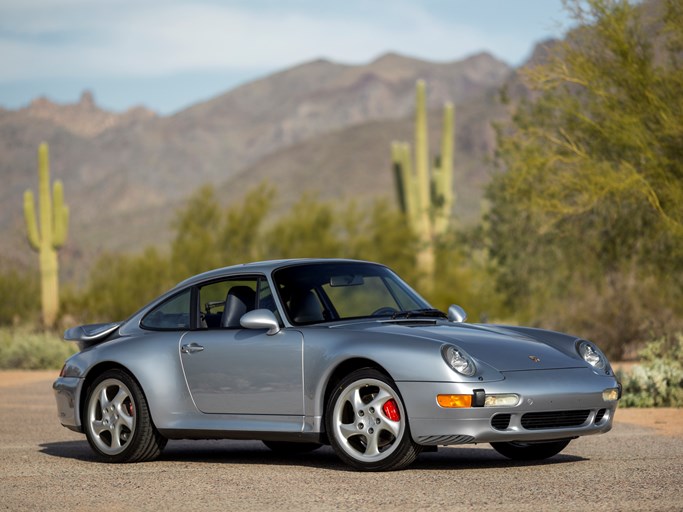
[(83, 118)]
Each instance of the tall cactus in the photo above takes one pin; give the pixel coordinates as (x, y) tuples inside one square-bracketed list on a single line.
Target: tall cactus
[(426, 196), (54, 221)]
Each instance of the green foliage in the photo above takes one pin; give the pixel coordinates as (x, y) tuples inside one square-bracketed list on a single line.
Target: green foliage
[(23, 349), (209, 236), (658, 380), (197, 227), (19, 292), (309, 229), (463, 278), (586, 226), (119, 285)]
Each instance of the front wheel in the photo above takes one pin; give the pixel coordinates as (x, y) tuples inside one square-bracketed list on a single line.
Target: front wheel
[(530, 451), (117, 422), (367, 423)]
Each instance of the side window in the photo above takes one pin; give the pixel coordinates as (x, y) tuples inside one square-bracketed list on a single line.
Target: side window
[(173, 314), (222, 304), (212, 304)]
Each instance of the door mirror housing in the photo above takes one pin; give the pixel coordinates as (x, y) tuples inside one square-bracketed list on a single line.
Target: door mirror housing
[(261, 319), (456, 314)]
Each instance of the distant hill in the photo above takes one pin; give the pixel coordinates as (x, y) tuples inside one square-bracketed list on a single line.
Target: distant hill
[(320, 125)]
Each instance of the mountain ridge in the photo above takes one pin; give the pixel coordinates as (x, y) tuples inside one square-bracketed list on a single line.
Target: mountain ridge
[(125, 174)]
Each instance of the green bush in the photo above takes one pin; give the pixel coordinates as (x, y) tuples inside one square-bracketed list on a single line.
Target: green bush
[(20, 294), (658, 380), (23, 349)]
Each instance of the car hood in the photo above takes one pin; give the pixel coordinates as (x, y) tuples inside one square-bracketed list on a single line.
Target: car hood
[(503, 349)]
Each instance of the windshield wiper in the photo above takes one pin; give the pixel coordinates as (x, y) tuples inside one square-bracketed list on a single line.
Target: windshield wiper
[(415, 313)]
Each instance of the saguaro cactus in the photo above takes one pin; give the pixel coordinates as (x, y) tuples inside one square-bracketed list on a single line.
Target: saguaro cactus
[(426, 196), (54, 221)]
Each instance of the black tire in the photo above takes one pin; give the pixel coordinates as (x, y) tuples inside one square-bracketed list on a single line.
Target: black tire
[(290, 448), (373, 434), (530, 451), (117, 422)]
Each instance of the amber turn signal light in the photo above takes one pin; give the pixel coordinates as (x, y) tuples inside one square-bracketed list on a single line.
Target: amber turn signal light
[(454, 401)]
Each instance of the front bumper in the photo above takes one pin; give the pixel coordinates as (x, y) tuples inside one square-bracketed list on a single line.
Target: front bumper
[(575, 392), (67, 389)]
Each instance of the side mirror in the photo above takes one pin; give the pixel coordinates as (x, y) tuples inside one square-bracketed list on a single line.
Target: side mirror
[(456, 314), (261, 319)]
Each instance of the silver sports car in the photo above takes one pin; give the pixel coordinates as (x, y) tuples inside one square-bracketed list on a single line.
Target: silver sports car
[(301, 353)]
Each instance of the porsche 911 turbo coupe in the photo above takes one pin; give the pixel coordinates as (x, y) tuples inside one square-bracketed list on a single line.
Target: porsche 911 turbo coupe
[(302, 353)]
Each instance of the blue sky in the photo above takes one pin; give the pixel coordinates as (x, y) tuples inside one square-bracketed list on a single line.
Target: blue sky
[(169, 54)]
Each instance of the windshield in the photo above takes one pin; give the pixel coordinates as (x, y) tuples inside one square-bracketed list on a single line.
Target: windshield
[(321, 292)]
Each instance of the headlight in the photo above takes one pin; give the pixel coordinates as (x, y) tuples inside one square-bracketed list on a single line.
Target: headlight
[(592, 355), (458, 360)]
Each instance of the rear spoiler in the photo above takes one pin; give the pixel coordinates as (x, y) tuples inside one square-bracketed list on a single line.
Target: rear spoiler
[(92, 334)]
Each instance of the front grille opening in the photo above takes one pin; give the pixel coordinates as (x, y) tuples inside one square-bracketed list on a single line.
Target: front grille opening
[(600, 415), (500, 421), (554, 419)]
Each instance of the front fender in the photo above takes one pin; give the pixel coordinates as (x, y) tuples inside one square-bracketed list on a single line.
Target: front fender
[(402, 358)]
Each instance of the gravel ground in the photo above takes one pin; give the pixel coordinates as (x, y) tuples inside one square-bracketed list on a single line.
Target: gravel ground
[(43, 466)]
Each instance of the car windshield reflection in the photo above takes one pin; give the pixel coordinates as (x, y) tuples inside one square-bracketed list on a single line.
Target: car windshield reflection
[(323, 292)]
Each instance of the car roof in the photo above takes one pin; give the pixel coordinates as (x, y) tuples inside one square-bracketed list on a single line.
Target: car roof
[(261, 267)]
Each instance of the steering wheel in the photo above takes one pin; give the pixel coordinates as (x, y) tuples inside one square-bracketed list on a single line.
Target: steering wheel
[(384, 311)]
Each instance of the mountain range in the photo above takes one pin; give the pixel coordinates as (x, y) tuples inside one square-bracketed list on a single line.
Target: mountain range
[(321, 127)]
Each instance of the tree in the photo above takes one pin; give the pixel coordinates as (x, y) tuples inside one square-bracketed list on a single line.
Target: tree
[(590, 203)]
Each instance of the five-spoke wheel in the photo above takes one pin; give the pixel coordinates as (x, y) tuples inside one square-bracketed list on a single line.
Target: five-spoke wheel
[(367, 424), (117, 422)]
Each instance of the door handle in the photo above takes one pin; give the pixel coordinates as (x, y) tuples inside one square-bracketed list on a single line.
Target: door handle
[(191, 348)]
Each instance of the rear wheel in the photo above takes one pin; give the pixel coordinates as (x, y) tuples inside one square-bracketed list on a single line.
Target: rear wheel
[(286, 447), (367, 424), (117, 421), (530, 451)]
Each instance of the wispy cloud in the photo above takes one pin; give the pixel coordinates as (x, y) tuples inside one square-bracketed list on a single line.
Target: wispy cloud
[(60, 38)]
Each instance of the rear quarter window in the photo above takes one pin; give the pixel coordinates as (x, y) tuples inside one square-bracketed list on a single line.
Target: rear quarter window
[(171, 315)]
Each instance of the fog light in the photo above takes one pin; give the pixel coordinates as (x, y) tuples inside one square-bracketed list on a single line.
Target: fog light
[(454, 401), (610, 395), (506, 400)]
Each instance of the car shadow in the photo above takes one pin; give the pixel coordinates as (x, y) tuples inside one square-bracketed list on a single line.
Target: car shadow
[(253, 452)]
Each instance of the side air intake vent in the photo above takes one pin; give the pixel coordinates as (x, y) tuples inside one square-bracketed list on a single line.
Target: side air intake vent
[(500, 421)]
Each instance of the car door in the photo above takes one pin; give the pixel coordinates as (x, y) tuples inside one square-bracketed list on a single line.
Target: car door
[(232, 370)]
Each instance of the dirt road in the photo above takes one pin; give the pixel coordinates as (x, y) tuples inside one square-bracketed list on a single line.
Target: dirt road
[(46, 467)]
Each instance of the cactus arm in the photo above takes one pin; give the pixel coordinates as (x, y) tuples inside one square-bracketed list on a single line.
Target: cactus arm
[(421, 149), (60, 215), (44, 196), (30, 217), (398, 175), (409, 186), (443, 175), (447, 150)]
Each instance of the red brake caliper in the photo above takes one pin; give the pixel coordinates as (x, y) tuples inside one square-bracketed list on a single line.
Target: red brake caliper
[(391, 410)]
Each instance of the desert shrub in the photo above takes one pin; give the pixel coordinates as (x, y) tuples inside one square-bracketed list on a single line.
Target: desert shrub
[(20, 297), (119, 284), (658, 380), (23, 349)]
